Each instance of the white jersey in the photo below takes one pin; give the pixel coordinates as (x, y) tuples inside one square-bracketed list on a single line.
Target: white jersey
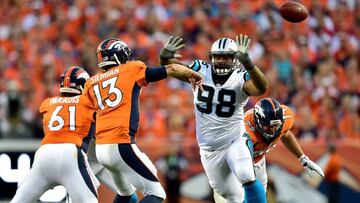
[(219, 108)]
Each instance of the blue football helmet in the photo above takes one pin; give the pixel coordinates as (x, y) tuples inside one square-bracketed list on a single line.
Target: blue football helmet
[(112, 52), (268, 118), (73, 79)]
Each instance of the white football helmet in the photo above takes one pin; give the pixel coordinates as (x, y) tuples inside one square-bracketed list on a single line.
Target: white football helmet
[(224, 46)]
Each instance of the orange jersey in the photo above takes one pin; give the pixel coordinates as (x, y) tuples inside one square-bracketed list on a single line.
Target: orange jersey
[(115, 96), (66, 119), (260, 147)]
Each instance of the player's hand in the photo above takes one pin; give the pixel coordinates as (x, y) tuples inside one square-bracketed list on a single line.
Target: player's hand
[(196, 80), (173, 45), (310, 166), (242, 53), (243, 43)]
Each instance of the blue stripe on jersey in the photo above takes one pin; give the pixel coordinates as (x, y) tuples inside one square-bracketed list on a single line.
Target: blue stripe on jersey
[(84, 172), (196, 65), (86, 140), (249, 144), (246, 76), (134, 113), (133, 161)]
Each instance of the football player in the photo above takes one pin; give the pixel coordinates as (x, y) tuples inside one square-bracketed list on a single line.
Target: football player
[(267, 123), (114, 93), (127, 193), (230, 78), (61, 158)]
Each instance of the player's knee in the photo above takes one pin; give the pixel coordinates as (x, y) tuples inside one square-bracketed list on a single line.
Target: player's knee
[(162, 195), (159, 192), (245, 176)]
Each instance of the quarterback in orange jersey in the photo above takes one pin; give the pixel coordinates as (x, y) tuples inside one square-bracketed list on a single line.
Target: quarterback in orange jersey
[(61, 160), (267, 123), (114, 93)]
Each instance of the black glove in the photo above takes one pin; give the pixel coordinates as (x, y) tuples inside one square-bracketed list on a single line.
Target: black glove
[(173, 45), (243, 44)]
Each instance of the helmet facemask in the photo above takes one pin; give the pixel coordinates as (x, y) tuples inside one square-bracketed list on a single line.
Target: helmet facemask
[(268, 118), (222, 56), (223, 67), (271, 130)]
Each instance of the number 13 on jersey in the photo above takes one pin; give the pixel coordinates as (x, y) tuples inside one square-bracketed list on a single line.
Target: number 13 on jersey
[(113, 90)]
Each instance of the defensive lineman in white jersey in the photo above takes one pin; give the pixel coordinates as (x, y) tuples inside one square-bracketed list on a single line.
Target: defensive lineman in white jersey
[(225, 149), (219, 108)]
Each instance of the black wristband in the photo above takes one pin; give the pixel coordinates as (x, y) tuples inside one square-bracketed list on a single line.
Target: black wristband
[(248, 65), (245, 61)]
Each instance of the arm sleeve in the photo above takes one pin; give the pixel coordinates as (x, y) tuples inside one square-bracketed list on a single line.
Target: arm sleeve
[(153, 74), (138, 68), (87, 95), (42, 107), (289, 118)]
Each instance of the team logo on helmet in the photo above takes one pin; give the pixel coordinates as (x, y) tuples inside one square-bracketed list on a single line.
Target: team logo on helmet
[(112, 52), (73, 79), (259, 111)]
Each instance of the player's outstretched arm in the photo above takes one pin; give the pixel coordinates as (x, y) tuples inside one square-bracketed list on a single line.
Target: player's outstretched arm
[(293, 146), (168, 53), (183, 73), (257, 85)]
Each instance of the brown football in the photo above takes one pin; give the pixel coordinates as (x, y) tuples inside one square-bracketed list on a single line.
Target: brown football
[(293, 11)]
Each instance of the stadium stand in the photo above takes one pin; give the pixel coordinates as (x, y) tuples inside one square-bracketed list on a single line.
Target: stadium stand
[(313, 66)]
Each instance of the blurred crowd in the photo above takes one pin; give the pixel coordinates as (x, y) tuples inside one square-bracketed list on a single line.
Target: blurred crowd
[(312, 66)]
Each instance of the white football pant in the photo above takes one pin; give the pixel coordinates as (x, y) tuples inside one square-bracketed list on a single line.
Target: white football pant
[(227, 169), (127, 164), (260, 172), (59, 164)]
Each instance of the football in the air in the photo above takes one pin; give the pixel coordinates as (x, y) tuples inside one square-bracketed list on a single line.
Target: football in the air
[(293, 11)]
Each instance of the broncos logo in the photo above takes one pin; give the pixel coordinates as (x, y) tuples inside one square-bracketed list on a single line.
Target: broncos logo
[(112, 52), (259, 111)]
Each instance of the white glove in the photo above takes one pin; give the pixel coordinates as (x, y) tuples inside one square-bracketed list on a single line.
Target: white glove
[(310, 166), (173, 45)]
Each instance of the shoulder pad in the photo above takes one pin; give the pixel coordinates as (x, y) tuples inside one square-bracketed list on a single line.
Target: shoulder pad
[(196, 65), (288, 117)]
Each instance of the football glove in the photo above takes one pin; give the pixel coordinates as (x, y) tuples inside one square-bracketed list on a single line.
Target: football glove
[(310, 166), (242, 52), (173, 45)]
